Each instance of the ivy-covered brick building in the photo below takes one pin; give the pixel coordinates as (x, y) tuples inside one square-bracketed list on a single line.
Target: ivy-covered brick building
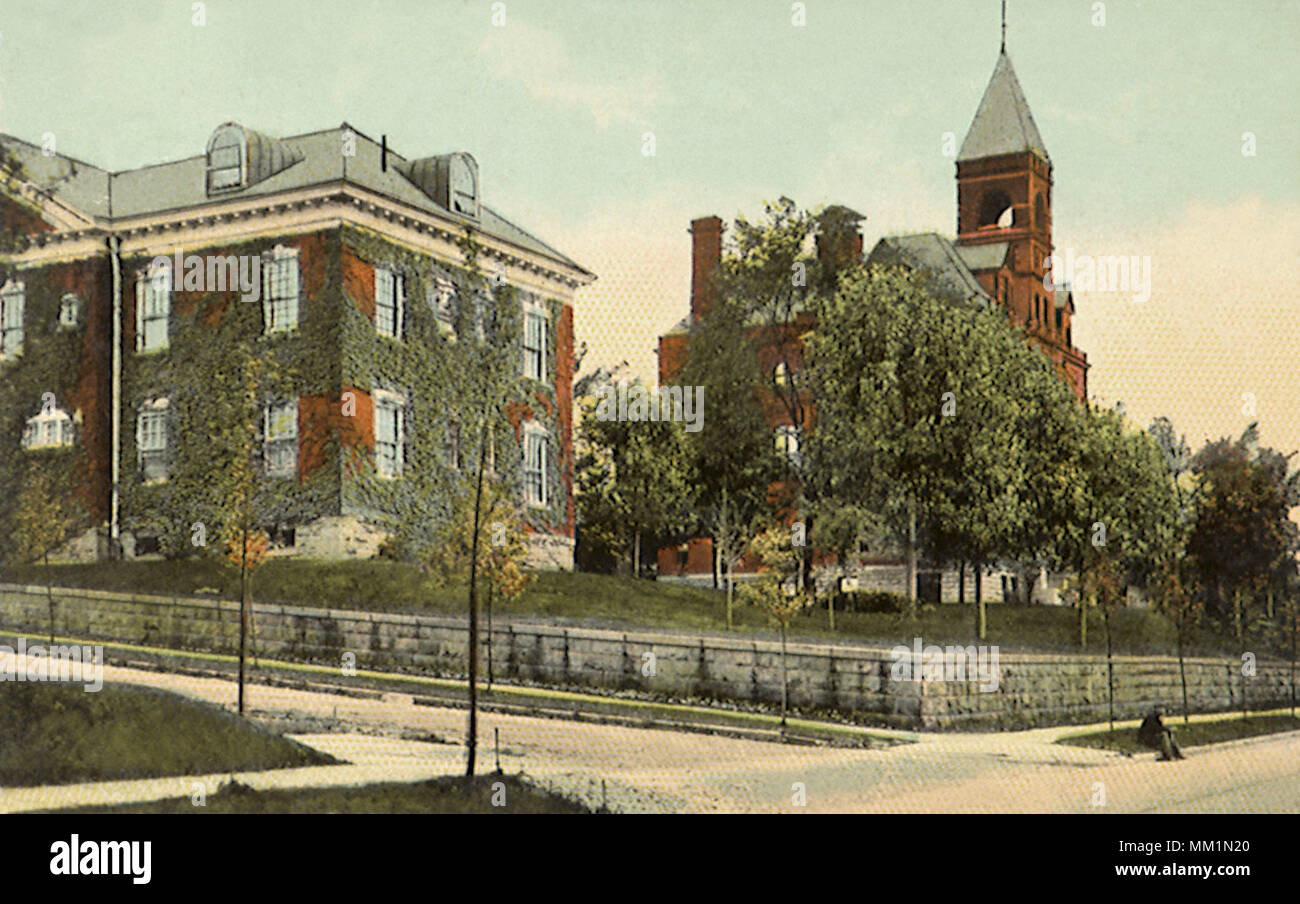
[(351, 293)]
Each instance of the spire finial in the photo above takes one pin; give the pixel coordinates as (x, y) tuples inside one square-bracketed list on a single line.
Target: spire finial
[(1004, 26)]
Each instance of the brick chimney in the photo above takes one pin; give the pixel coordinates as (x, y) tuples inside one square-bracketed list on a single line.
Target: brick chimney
[(839, 240), (706, 252)]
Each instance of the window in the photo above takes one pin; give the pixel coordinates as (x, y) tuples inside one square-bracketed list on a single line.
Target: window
[(781, 374), (12, 300), (451, 448), (280, 289), (50, 428), (535, 455), (389, 433), (442, 298), (482, 311), (463, 178), (226, 158), (787, 443), (153, 305), (390, 295), (151, 440), (69, 311), (535, 329), (280, 442)]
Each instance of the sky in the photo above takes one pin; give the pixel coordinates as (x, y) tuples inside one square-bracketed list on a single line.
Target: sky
[(1173, 129)]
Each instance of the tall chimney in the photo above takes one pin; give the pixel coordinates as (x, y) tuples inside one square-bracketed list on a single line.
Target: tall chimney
[(706, 252), (839, 240)]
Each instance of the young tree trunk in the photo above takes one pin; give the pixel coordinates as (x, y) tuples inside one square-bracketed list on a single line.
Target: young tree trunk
[(49, 594), (1295, 604), (785, 681), (981, 615), (961, 582), (1083, 609), (911, 560), (636, 554), (731, 591), (714, 561), (471, 741), (243, 614), (1110, 667), (489, 635), (1182, 664)]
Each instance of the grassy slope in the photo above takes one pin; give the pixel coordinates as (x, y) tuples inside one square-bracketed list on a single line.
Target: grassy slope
[(59, 733), (1195, 734), (443, 795), (605, 601)]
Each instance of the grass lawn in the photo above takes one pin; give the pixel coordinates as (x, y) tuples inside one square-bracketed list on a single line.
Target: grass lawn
[(451, 794), (1195, 734), (596, 600), (58, 734)]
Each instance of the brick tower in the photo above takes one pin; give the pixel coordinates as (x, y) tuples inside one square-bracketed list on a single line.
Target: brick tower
[(1004, 209)]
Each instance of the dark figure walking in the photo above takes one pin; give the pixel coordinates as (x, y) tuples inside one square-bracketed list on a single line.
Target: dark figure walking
[(1153, 734)]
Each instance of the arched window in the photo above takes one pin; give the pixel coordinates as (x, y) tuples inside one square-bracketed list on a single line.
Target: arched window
[(227, 158), (1040, 212), (995, 210), (781, 374)]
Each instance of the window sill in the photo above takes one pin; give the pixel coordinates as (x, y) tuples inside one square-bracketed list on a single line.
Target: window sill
[(156, 350)]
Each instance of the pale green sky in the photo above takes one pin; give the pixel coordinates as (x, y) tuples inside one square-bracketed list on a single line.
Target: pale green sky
[(1143, 117)]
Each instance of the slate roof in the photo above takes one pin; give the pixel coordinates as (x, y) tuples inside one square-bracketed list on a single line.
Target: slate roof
[(314, 158), (936, 254), (984, 257), (1003, 123)]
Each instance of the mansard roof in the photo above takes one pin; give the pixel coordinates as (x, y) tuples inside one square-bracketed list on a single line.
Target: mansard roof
[(1003, 123), (295, 162)]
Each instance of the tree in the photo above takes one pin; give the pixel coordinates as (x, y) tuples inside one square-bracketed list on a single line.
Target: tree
[(733, 461), (1242, 539), (914, 423), (234, 437), (501, 561), (41, 521), (634, 475), (777, 592), (494, 370)]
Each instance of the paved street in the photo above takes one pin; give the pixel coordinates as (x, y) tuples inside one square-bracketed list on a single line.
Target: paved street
[(648, 770)]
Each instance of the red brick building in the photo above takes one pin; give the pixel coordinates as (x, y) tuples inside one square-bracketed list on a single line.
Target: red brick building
[(1004, 237), (364, 308)]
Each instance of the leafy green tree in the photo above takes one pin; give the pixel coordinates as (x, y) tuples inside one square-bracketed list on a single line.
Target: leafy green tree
[(1242, 539), (634, 476), (777, 591), (915, 424), (41, 521), (733, 462)]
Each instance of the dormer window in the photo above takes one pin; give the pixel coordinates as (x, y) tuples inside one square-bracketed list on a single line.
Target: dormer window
[(463, 187), (227, 158)]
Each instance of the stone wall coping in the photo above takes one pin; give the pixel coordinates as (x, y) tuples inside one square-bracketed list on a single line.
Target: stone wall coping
[(861, 652)]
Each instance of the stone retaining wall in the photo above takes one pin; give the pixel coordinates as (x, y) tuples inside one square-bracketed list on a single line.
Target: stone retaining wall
[(1032, 690)]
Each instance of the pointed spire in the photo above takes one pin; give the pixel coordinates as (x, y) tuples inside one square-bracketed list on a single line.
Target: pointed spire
[(1003, 123)]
